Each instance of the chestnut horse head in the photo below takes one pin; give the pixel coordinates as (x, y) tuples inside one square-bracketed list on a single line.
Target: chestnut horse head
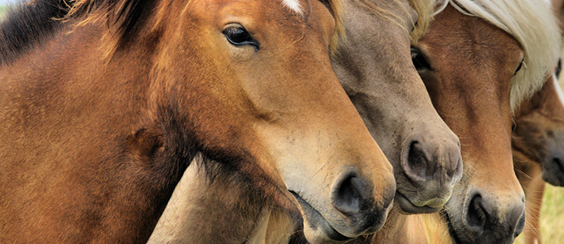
[(479, 60), (538, 135), (374, 66), (105, 102)]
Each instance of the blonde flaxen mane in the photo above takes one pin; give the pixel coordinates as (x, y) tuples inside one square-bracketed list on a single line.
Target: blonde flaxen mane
[(532, 24)]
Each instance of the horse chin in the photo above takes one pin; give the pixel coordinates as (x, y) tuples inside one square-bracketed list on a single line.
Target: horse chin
[(316, 227), (407, 207)]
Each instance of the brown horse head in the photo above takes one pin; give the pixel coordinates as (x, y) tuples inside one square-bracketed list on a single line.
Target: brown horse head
[(146, 85), (296, 125), (538, 135), (474, 73), (374, 66)]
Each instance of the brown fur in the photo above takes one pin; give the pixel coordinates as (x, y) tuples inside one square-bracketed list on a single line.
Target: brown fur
[(103, 111)]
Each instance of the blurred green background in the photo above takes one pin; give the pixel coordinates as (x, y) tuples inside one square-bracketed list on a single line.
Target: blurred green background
[(552, 216)]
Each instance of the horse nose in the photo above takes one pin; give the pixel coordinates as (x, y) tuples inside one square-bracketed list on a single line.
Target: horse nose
[(487, 219), (352, 196), (433, 165), (553, 165), (520, 224), (432, 161), (553, 170)]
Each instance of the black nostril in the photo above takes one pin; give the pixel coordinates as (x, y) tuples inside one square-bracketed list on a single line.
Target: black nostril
[(556, 161), (351, 196), (477, 214), (520, 225), (416, 162)]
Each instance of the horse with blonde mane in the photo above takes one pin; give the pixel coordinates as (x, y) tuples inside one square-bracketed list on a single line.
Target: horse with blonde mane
[(538, 144), (425, 153), (105, 103), (498, 53)]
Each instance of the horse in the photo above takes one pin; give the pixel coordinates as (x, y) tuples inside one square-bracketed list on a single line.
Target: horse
[(479, 60), (105, 103), (396, 108), (538, 142), (374, 66), (536, 147), (395, 105)]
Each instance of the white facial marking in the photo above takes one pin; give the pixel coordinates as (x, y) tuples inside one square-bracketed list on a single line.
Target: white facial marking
[(293, 5), (558, 89)]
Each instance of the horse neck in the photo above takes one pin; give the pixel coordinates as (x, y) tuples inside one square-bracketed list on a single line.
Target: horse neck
[(210, 199), (399, 228), (75, 84)]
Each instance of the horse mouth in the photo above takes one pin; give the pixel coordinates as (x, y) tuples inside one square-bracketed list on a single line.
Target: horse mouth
[(408, 207), (316, 220)]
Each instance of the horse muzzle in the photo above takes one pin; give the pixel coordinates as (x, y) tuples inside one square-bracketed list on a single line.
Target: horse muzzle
[(354, 211)]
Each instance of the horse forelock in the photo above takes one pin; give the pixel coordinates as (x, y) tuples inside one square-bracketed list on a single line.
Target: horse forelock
[(533, 25), (424, 9)]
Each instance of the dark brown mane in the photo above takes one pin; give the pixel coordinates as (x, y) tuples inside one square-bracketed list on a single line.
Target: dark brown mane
[(28, 24), (123, 18)]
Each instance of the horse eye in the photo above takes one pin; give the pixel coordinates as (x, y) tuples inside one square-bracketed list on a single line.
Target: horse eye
[(238, 36), (419, 61), (519, 67)]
